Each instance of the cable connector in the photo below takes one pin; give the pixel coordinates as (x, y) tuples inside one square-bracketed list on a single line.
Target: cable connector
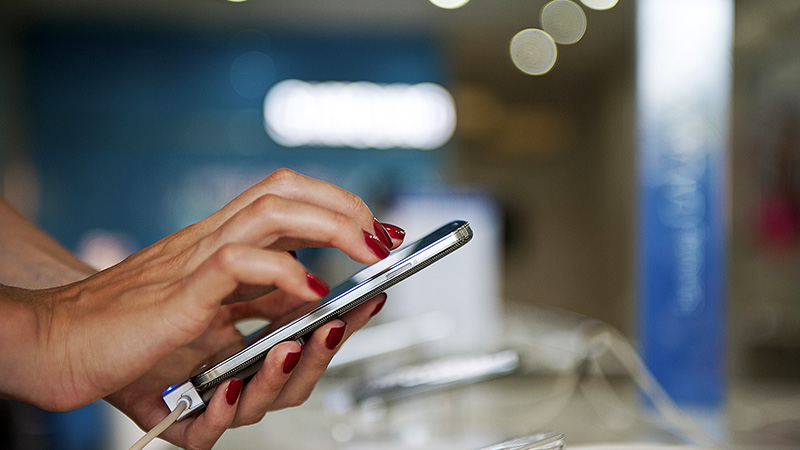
[(185, 390)]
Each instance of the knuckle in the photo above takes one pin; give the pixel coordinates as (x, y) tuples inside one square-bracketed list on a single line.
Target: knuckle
[(226, 257), (253, 418), (356, 203), (218, 427), (283, 176), (341, 220), (298, 400), (338, 226), (267, 204)]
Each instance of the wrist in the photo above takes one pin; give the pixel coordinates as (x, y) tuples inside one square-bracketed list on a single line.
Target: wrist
[(30, 258), (20, 351), (41, 346), (43, 273)]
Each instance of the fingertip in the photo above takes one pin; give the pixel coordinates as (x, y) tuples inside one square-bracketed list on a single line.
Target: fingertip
[(224, 399), (378, 307), (233, 391), (396, 233), (375, 245), (273, 371), (318, 286), (291, 360), (217, 417), (381, 233), (286, 356), (335, 335)]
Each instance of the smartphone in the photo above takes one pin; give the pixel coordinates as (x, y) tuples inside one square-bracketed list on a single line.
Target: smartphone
[(244, 360), (435, 375)]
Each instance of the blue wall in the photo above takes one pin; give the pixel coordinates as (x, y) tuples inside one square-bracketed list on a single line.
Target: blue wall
[(147, 131)]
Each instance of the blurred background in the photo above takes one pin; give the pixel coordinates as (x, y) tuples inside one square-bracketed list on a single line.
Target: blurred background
[(540, 122)]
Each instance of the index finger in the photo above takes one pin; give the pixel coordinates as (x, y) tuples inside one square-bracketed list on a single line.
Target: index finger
[(294, 186)]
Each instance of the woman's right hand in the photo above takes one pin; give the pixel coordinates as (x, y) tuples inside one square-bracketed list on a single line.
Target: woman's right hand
[(68, 346)]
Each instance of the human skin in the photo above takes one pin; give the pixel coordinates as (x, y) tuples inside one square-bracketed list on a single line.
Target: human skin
[(72, 335)]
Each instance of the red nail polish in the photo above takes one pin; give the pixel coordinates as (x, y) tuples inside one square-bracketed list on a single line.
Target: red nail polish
[(291, 361), (233, 391), (394, 231), (335, 337), (376, 245), (378, 308), (381, 233), (317, 285)]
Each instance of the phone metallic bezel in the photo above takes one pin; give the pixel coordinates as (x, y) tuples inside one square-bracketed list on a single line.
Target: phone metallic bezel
[(366, 283)]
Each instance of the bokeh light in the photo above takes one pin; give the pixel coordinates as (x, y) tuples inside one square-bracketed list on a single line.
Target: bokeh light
[(533, 51), (599, 4), (564, 21), (449, 4), (359, 114), (102, 249)]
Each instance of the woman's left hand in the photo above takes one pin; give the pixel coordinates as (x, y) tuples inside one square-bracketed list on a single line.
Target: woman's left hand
[(286, 378)]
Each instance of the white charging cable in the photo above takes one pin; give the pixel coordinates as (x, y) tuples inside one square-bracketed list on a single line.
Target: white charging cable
[(592, 340), (183, 403), (601, 337)]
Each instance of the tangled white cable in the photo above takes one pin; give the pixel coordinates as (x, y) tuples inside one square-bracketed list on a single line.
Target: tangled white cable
[(602, 337)]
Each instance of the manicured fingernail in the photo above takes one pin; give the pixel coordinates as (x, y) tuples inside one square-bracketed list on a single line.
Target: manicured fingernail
[(317, 285), (381, 233), (378, 308), (234, 389), (291, 361), (376, 245), (335, 337), (394, 231)]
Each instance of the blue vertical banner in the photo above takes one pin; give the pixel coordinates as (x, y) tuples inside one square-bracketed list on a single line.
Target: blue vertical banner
[(684, 70)]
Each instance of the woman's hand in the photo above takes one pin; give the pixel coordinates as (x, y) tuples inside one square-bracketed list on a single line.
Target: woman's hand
[(286, 378), (138, 324)]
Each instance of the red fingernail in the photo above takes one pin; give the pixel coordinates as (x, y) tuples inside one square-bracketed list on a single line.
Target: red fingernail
[(394, 231), (234, 389), (291, 361), (378, 308), (335, 337), (317, 285), (376, 245), (381, 233)]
